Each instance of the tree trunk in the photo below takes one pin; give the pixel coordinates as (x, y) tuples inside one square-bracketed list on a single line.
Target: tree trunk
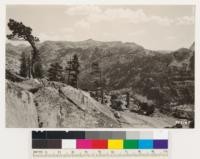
[(35, 53), (127, 100), (101, 88), (29, 67)]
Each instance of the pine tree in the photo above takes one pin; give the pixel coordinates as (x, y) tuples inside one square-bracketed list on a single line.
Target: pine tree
[(73, 71), (97, 81), (55, 72), (24, 65), (21, 32)]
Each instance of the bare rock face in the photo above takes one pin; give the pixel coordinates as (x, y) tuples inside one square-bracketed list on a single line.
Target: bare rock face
[(40, 103), (20, 108), (70, 107)]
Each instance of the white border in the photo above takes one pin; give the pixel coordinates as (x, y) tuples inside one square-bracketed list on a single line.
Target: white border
[(20, 133), (2, 65), (102, 2)]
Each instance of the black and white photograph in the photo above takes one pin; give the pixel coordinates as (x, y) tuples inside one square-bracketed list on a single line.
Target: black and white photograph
[(100, 66)]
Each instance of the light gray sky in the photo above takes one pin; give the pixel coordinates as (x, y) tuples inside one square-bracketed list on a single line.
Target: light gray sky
[(154, 27)]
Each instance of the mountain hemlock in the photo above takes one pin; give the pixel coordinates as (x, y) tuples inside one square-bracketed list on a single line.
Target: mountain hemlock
[(24, 33), (55, 72), (73, 71)]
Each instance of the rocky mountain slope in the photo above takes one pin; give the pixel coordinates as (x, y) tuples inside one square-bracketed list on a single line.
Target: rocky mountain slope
[(87, 51), (34, 103), (156, 75), (45, 104), (166, 78)]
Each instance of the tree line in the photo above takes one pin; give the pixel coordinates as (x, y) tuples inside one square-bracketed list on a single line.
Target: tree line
[(56, 72)]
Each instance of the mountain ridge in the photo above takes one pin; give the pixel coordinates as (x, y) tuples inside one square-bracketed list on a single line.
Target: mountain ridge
[(124, 65)]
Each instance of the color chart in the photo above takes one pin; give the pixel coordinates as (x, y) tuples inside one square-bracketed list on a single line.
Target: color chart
[(101, 144)]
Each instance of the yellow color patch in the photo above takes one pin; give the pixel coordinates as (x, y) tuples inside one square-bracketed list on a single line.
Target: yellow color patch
[(115, 144)]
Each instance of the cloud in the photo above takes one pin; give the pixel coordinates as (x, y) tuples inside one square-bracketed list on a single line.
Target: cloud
[(162, 20), (95, 14), (128, 15), (186, 20), (82, 10)]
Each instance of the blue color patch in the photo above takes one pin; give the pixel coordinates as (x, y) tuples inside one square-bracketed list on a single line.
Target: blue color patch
[(145, 144)]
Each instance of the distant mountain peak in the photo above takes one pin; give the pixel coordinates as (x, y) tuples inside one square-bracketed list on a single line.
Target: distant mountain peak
[(90, 40)]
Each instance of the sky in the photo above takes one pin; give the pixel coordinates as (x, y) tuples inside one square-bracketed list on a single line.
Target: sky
[(152, 26)]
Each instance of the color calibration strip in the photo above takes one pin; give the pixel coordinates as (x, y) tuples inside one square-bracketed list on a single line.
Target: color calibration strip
[(116, 140)]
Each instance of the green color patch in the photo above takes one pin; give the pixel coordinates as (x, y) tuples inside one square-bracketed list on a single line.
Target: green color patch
[(130, 144)]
